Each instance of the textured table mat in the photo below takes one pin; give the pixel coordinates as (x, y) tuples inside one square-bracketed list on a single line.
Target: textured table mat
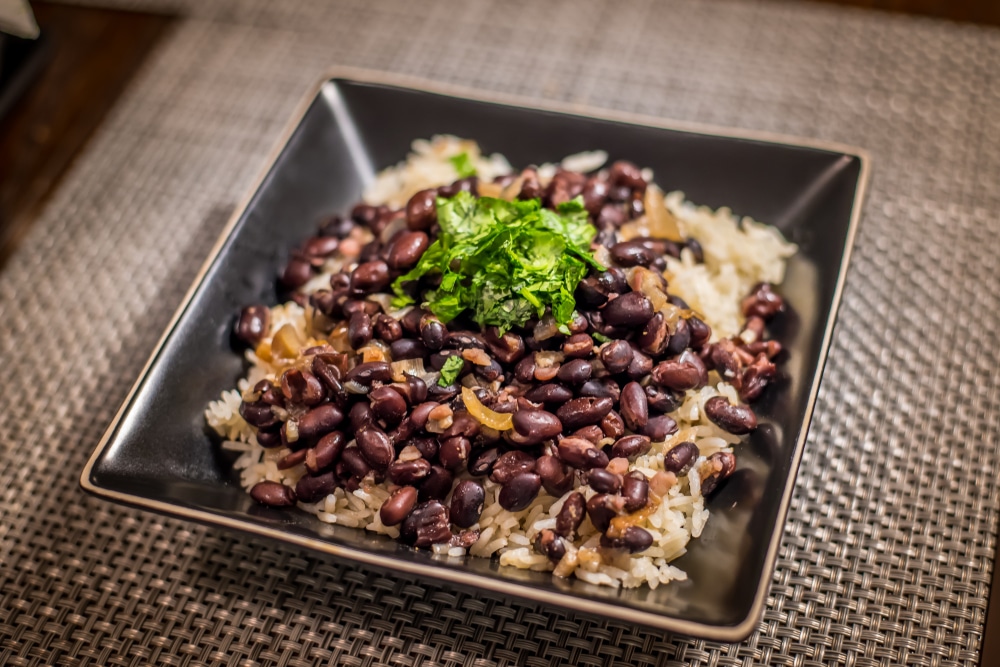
[(889, 546)]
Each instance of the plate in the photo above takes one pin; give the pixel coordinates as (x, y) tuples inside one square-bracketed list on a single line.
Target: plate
[(158, 454)]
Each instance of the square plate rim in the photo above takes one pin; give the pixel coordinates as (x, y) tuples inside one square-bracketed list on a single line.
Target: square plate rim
[(725, 633)]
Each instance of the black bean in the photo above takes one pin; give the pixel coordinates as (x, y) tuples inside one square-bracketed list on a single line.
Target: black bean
[(530, 186), (602, 508), (507, 348), (679, 458), (592, 433), (326, 302), (467, 502), (679, 375), (370, 277), (421, 210), (661, 400), (406, 249), (550, 545), (464, 340), (293, 459), (581, 453), (403, 432), (655, 336), (398, 506), (658, 428), (361, 415), (631, 446), (319, 421), (369, 372), (375, 446), (364, 214), (297, 273), (700, 332), (273, 494), (571, 515), (627, 174), (737, 419), (519, 491), (635, 491), (680, 339), (613, 425), (611, 216), (437, 484), (386, 328), (762, 302), (469, 184), (633, 309), (604, 481), (632, 253), (549, 393), (320, 246), (557, 478), (407, 348), (359, 330), (640, 366), (408, 472), (354, 462), (432, 332), (312, 488), (481, 461), (583, 411), (454, 452), (326, 452), (756, 377), (578, 346), (426, 525), (336, 226), (616, 355), (387, 404), (576, 371), (436, 392), (329, 375), (589, 293), (633, 538), (252, 325), (414, 390), (268, 439), (462, 424), (595, 193), (603, 388), (427, 446), (510, 464), (720, 466), (258, 414), (634, 407)]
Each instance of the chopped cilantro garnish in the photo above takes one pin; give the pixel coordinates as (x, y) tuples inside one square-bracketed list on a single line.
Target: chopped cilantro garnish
[(449, 372), (463, 165), (505, 262), (600, 338)]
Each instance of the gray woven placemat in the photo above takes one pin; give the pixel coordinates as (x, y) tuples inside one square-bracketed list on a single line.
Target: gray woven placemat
[(887, 554)]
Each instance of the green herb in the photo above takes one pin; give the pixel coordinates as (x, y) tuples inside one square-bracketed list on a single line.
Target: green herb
[(463, 165), (505, 262), (600, 338), (449, 372)]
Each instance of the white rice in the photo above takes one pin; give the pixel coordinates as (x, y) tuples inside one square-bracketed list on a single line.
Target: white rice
[(738, 254)]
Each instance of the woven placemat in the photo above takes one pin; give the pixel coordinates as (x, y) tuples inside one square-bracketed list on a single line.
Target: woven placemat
[(888, 550)]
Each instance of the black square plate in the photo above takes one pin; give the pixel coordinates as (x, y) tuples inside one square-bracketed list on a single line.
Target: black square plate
[(158, 455)]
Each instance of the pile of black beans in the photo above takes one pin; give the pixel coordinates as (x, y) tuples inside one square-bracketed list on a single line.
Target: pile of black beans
[(580, 400)]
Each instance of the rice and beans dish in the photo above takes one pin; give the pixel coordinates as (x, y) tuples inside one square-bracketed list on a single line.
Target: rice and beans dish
[(553, 367)]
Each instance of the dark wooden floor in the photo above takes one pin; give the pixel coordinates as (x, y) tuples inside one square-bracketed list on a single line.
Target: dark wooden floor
[(89, 56), (975, 11)]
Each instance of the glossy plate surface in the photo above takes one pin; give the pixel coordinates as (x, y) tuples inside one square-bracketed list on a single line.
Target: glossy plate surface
[(158, 454)]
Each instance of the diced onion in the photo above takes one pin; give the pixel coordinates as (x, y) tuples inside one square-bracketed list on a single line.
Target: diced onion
[(286, 342), (292, 430), (353, 387), (546, 328), (661, 222), (382, 299), (495, 420), (404, 367)]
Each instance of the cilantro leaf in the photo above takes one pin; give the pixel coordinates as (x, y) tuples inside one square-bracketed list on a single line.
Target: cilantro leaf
[(504, 262), (463, 165), (449, 372)]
